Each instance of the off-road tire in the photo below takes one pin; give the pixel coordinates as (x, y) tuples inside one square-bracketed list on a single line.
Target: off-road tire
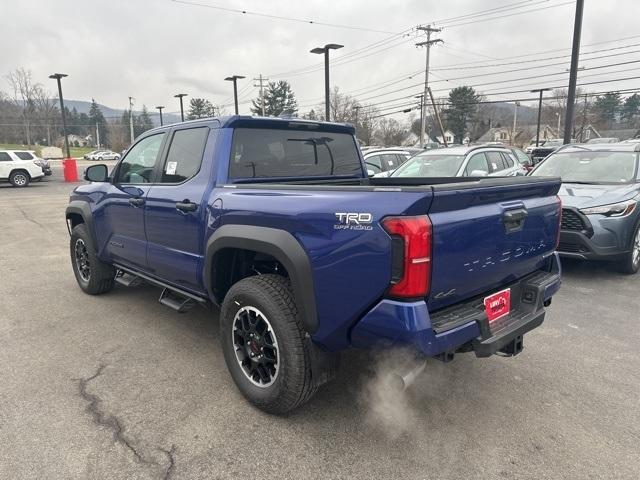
[(272, 295), (101, 275), (627, 264), (19, 178)]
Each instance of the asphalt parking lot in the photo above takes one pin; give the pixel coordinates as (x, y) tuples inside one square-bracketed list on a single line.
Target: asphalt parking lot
[(118, 386)]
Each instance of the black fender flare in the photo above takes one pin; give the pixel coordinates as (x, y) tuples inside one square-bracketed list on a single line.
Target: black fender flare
[(79, 207), (281, 245)]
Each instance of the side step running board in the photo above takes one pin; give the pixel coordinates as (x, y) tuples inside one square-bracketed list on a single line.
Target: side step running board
[(172, 297), (175, 301), (127, 279)]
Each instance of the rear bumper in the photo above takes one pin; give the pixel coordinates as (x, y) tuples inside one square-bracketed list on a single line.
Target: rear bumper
[(461, 327)]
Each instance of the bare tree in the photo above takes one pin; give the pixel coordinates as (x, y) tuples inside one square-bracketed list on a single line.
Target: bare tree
[(391, 132), (23, 96)]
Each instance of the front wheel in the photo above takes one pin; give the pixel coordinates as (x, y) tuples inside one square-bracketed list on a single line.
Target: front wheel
[(19, 178), (631, 263), (263, 344), (93, 275)]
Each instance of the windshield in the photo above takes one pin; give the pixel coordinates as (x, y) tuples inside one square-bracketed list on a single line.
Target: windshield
[(440, 165), (553, 143), (589, 167)]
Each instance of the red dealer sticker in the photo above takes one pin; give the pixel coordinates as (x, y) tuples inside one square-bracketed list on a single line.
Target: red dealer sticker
[(498, 305)]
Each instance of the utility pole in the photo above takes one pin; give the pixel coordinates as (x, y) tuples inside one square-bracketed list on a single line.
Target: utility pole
[(435, 109), (515, 120), (429, 29), (160, 107), (260, 81), (573, 73), (422, 121), (539, 90), (97, 136), (131, 99)]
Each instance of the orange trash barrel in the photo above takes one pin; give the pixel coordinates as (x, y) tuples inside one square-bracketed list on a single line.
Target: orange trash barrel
[(70, 170)]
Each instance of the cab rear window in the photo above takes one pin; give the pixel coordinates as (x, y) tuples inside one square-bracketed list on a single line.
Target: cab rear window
[(270, 153)]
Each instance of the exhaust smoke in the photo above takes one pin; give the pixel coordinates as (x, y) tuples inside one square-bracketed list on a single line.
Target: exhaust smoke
[(385, 396)]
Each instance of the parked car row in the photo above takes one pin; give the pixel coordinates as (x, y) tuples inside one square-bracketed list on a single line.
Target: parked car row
[(101, 155), (475, 161)]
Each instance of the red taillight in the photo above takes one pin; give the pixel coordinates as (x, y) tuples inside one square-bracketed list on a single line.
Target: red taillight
[(414, 261), (559, 220)]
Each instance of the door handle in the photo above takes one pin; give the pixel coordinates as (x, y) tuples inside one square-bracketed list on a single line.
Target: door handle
[(136, 202), (186, 206), (514, 219)]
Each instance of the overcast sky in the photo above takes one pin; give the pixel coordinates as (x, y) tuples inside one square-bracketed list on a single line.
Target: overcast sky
[(152, 49)]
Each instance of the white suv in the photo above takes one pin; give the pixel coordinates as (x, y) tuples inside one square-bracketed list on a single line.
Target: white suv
[(17, 171)]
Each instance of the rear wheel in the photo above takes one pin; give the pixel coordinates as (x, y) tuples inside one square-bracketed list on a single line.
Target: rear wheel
[(19, 178), (93, 275), (631, 263), (263, 344)]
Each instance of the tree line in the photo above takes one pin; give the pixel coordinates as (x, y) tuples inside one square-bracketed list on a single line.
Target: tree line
[(29, 114)]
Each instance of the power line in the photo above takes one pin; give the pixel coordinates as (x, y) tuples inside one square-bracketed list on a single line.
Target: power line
[(278, 17), (490, 11), (510, 15)]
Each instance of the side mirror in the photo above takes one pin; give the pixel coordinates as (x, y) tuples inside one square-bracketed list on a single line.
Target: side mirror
[(96, 173), (370, 172), (478, 173)]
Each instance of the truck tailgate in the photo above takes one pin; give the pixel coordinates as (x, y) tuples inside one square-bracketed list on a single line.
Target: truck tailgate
[(487, 234)]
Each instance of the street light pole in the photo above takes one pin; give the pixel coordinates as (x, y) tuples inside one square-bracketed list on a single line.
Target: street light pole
[(160, 107), (539, 90), (58, 77), (573, 73), (234, 79), (327, 93), (179, 96)]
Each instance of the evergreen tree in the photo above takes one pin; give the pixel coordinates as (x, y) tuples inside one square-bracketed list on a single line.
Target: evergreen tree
[(462, 109), (631, 108), (607, 106), (142, 122), (200, 108), (97, 118), (278, 99)]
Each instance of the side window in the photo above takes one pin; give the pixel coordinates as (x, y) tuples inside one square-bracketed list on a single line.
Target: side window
[(477, 162), (495, 161), (389, 161), (4, 157), (508, 160), (185, 155), (24, 155), (137, 166), (375, 161)]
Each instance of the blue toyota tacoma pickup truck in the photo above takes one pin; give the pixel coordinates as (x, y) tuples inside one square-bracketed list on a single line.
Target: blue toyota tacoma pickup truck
[(276, 222)]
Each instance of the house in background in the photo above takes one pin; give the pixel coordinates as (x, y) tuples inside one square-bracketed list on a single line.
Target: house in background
[(449, 137), (590, 132), (620, 133), (525, 134), (76, 140)]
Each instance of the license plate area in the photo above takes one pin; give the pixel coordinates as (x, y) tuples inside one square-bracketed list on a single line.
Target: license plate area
[(497, 306)]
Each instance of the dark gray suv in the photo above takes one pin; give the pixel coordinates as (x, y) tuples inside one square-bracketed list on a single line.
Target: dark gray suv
[(600, 195)]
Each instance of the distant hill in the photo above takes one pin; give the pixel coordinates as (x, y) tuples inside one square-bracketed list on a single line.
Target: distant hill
[(112, 113)]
